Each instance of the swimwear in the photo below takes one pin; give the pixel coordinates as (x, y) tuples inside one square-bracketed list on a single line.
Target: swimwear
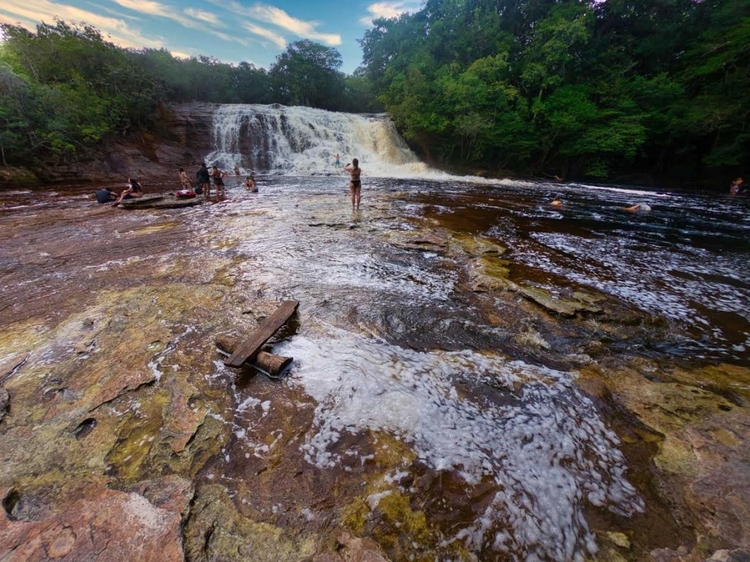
[(218, 181), (356, 183)]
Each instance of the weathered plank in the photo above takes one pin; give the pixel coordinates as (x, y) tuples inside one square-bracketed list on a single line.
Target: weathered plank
[(249, 348)]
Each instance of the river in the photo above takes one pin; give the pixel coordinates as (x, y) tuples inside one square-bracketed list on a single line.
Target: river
[(393, 340)]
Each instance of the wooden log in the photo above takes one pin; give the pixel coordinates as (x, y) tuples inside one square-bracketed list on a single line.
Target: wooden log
[(251, 346), (272, 364), (268, 362), (248, 349)]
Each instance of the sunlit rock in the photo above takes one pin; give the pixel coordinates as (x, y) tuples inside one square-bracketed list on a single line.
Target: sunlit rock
[(487, 274), (425, 241), (102, 524), (216, 530), (555, 303), (478, 246), (703, 454)]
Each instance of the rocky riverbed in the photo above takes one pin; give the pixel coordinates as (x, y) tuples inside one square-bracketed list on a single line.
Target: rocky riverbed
[(123, 436)]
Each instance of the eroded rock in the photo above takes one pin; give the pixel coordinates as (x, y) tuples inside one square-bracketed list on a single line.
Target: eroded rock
[(4, 403), (216, 530), (102, 525)]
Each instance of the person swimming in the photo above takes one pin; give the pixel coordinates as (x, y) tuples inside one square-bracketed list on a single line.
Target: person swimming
[(638, 208), (250, 184), (105, 195), (737, 187)]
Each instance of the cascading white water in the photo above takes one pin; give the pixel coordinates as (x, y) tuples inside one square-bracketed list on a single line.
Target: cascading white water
[(301, 141)]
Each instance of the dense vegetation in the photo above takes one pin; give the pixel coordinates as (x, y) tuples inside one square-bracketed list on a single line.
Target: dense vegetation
[(598, 88), (64, 89), (570, 88)]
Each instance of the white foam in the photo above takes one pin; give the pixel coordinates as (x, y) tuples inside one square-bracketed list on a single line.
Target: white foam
[(546, 450), (302, 141)]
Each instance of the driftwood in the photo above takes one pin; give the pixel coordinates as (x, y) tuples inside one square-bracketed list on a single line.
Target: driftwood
[(248, 349), (268, 362)]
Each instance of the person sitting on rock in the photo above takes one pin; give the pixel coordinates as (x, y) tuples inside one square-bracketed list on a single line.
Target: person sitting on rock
[(133, 191), (105, 195)]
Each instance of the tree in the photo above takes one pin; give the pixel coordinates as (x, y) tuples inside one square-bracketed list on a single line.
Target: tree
[(307, 73)]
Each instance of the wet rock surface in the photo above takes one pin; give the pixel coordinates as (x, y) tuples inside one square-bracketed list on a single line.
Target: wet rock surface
[(117, 419)]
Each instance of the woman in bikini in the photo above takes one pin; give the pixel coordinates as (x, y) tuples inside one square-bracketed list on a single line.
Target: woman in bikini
[(134, 190), (355, 184)]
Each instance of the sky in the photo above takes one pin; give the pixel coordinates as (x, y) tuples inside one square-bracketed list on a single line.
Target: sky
[(231, 31)]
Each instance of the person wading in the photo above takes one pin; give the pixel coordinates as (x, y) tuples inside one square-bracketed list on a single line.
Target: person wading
[(355, 184)]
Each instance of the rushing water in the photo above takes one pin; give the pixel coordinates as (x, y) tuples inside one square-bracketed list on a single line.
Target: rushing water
[(389, 341)]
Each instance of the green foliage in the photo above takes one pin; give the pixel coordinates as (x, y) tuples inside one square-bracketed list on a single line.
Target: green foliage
[(64, 89), (570, 87), (307, 73), (566, 87)]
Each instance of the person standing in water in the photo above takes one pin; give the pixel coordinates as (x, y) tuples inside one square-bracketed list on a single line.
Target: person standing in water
[(204, 180), (337, 163), (355, 184), (218, 176)]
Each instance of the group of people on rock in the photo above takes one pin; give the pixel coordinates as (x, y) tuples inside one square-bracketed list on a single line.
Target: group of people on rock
[(108, 195), (204, 177)]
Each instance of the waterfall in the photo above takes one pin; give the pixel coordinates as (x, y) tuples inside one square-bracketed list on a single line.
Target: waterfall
[(301, 141)]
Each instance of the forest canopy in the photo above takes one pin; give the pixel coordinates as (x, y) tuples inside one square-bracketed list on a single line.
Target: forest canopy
[(607, 89), (598, 88), (65, 89)]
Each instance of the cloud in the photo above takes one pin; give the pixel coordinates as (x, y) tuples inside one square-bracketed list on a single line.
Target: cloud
[(202, 15), (151, 8), (31, 12), (280, 19), (198, 19), (180, 55), (304, 29), (15, 20), (388, 10), (275, 38)]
